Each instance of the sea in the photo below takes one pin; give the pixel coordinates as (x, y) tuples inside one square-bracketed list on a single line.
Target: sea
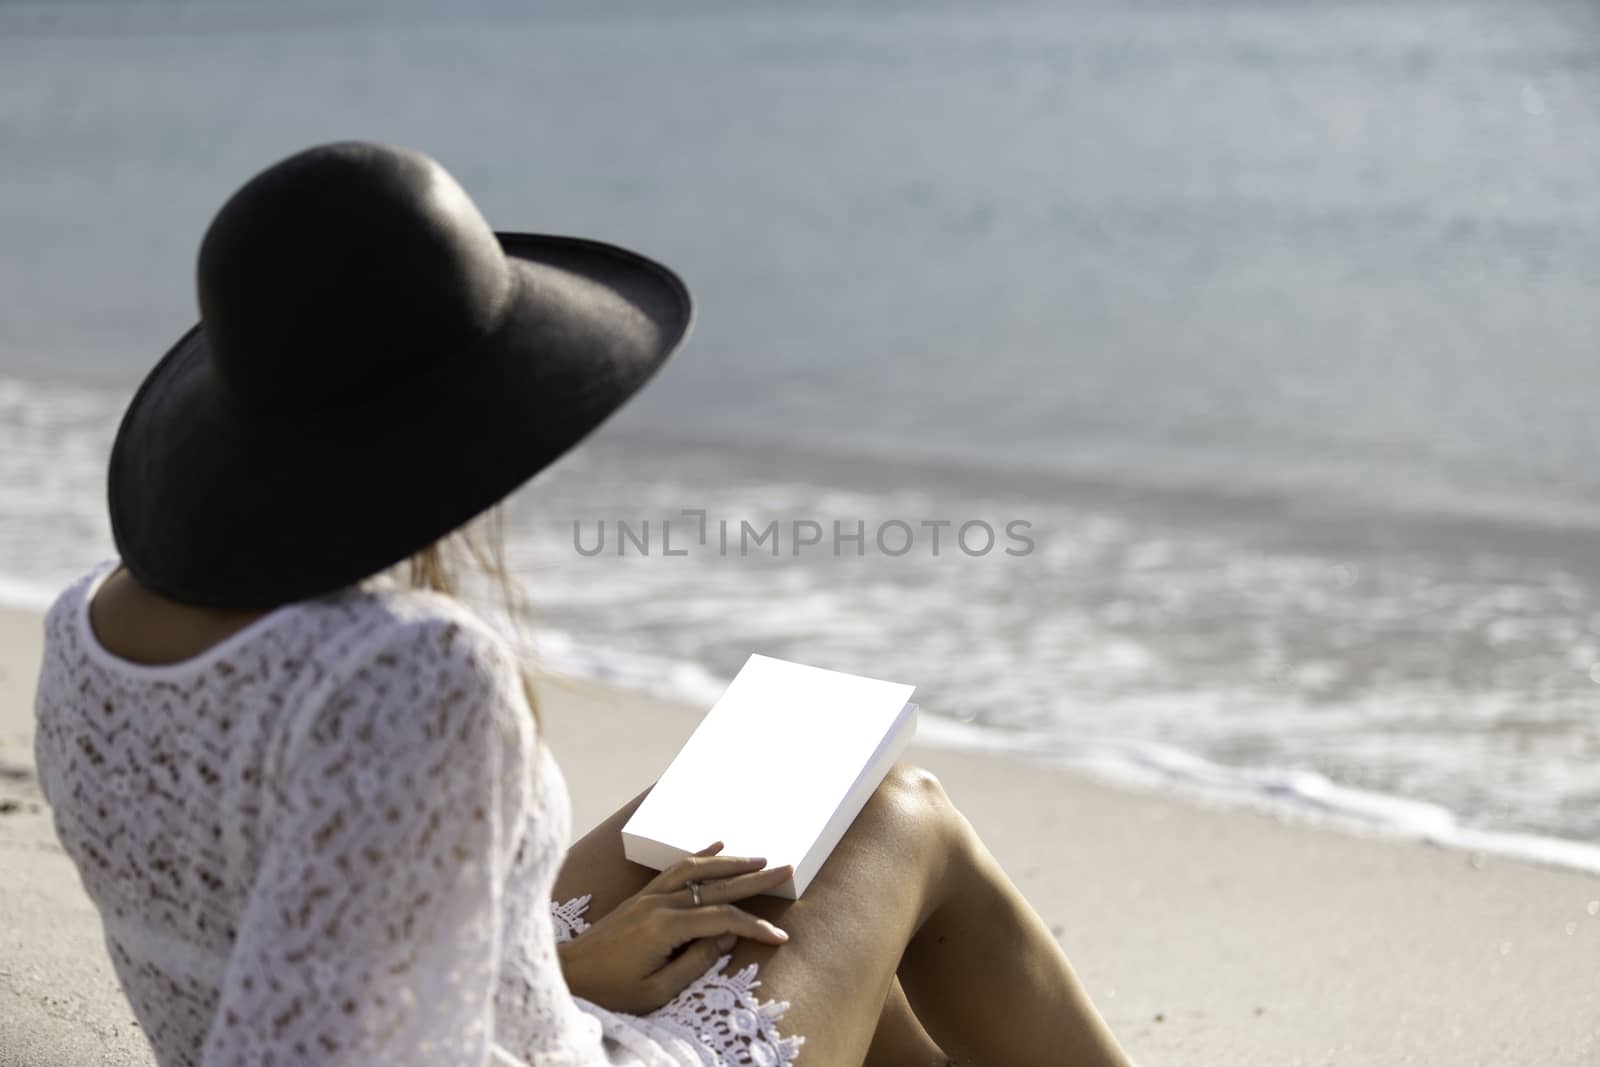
[(1199, 394)]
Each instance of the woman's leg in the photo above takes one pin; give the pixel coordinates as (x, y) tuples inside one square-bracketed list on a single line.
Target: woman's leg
[(595, 865), (911, 889), (900, 1040)]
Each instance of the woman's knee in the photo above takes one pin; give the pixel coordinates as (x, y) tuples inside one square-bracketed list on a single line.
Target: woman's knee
[(916, 827), (916, 782), (913, 792)]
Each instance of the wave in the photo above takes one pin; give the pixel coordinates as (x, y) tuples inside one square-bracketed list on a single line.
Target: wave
[(1293, 795), (1302, 796)]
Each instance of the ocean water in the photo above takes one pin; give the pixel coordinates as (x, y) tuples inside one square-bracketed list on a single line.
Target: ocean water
[(1272, 325)]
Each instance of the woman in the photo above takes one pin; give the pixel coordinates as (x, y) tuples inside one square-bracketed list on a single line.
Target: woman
[(304, 784)]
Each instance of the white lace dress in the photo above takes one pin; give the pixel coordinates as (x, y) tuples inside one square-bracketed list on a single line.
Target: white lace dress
[(332, 837)]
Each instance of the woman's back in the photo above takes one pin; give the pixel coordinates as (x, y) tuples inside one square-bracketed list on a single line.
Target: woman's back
[(268, 829)]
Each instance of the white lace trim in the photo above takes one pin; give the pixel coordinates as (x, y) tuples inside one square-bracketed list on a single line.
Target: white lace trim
[(568, 917)]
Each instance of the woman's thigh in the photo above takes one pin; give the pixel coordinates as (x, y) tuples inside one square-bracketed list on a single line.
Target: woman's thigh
[(850, 929), (847, 933)]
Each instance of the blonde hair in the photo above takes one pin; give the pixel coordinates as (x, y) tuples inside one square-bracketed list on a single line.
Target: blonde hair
[(480, 544)]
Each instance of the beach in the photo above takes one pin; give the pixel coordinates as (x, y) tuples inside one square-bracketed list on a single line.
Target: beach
[(1207, 936), (1198, 388), (1195, 401)]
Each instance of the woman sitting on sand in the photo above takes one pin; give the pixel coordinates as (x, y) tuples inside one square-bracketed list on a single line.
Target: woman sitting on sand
[(311, 802)]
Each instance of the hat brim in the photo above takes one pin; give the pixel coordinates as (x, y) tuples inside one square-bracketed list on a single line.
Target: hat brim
[(218, 507)]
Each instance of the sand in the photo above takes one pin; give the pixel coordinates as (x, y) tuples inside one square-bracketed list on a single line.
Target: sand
[(1208, 937)]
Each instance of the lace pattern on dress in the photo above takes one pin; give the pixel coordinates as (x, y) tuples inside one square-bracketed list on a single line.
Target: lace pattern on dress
[(329, 840)]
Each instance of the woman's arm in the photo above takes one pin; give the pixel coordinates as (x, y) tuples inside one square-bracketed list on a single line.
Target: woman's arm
[(373, 932)]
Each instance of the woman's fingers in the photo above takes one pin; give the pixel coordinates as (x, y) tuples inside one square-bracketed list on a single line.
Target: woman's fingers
[(700, 868), (714, 920), (716, 929), (736, 887), (690, 964)]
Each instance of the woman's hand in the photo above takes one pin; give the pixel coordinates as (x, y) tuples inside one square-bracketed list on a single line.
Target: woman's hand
[(625, 960)]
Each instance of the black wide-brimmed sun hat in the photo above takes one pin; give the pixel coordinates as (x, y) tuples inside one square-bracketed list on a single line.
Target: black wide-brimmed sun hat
[(373, 368)]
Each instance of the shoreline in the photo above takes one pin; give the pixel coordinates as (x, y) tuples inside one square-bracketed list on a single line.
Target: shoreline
[(1206, 936), (1300, 797)]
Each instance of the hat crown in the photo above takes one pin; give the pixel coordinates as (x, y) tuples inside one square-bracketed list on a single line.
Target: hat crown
[(342, 271)]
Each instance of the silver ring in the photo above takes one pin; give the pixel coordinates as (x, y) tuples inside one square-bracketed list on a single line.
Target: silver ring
[(694, 891)]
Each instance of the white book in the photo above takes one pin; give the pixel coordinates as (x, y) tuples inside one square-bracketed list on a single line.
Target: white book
[(779, 767)]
